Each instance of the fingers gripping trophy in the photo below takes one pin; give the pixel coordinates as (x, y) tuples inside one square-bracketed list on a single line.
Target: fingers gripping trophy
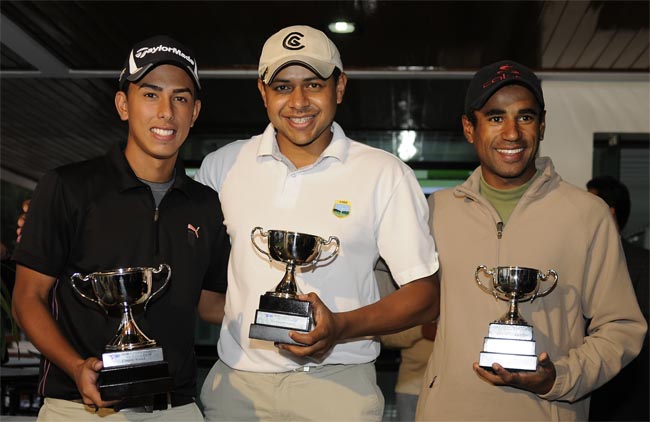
[(133, 363), (280, 311), (510, 341)]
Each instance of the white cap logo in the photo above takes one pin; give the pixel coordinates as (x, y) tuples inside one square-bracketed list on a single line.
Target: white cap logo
[(133, 68)]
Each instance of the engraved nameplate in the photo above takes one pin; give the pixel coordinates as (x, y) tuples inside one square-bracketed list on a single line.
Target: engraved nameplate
[(502, 345), (296, 322), (515, 332), (132, 357)]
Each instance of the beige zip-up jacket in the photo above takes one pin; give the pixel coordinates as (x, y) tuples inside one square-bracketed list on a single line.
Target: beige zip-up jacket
[(554, 226)]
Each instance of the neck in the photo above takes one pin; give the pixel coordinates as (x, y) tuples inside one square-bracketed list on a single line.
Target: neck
[(307, 154), (150, 168)]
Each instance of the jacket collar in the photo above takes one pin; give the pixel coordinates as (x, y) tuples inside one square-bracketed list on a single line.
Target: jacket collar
[(547, 180)]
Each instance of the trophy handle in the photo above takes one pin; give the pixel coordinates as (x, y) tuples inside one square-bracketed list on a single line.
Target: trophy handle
[(86, 278), (156, 271), (263, 234), (481, 285), (327, 242), (543, 277)]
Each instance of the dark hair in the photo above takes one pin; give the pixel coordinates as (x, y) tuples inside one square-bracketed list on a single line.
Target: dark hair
[(471, 116), (336, 74), (615, 193)]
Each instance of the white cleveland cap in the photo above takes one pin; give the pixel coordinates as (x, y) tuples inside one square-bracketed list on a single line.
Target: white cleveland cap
[(302, 45)]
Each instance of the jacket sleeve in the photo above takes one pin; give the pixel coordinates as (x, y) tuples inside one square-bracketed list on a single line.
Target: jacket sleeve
[(617, 329)]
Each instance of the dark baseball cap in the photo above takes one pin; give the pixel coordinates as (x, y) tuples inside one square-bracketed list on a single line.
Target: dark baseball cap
[(493, 77), (146, 55)]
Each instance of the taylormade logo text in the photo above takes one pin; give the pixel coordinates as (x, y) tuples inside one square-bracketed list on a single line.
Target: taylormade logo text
[(152, 50)]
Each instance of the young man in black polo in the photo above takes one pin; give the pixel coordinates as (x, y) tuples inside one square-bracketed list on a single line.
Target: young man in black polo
[(133, 207)]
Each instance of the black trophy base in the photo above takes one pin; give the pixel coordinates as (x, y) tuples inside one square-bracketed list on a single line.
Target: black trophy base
[(274, 334), (285, 305), (133, 381), (277, 316)]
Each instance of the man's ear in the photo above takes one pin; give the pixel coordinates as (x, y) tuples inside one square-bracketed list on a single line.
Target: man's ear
[(340, 87), (122, 105), (262, 89), (468, 129), (542, 124), (196, 111), (612, 211)]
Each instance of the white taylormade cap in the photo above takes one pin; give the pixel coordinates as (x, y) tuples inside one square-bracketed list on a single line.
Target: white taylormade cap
[(302, 45)]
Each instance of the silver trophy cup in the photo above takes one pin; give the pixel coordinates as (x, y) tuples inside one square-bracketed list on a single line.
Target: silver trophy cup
[(133, 365), (280, 311), (510, 340)]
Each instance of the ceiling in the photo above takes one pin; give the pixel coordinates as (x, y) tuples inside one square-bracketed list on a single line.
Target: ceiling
[(408, 63)]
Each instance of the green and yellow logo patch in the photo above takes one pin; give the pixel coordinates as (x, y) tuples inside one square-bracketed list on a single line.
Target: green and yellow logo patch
[(341, 208)]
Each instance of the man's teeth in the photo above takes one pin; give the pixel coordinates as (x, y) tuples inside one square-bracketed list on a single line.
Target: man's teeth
[(301, 119), (510, 151), (162, 132)]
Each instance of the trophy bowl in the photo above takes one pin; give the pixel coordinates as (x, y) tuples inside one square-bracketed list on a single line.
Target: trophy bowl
[(123, 287), (515, 284), (519, 282), (292, 247)]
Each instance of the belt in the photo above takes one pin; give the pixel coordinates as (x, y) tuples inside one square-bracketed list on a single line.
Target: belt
[(150, 403)]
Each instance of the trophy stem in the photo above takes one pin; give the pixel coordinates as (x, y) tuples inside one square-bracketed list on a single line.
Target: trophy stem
[(512, 317), (287, 287), (129, 336)]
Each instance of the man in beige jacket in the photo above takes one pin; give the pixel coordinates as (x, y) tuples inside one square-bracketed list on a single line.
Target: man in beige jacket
[(515, 210)]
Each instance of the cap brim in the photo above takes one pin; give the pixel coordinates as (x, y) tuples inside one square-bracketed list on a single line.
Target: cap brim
[(479, 102), (135, 77), (322, 69)]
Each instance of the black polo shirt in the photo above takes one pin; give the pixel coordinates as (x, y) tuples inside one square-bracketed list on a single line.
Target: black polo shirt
[(97, 216)]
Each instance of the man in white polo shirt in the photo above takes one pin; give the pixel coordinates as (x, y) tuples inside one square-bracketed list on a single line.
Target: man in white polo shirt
[(304, 175)]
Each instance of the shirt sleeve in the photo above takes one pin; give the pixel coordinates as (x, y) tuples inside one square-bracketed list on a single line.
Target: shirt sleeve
[(46, 234), (216, 278), (617, 328), (404, 236)]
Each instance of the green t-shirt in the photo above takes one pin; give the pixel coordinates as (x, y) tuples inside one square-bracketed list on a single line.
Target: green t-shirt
[(504, 200)]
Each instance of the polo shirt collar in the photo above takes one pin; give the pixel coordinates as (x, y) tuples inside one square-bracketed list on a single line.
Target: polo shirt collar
[(126, 179), (337, 149)]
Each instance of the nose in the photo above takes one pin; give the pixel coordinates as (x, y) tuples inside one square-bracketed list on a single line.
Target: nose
[(298, 98), (165, 110), (511, 130)]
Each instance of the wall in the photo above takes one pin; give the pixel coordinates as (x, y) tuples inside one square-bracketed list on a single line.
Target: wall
[(575, 110)]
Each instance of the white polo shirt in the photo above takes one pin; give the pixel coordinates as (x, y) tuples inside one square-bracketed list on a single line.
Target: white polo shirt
[(366, 197)]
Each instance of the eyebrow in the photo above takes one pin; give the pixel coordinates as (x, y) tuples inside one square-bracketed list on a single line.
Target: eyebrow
[(529, 111), (494, 112), (498, 112), (310, 79), (159, 88)]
